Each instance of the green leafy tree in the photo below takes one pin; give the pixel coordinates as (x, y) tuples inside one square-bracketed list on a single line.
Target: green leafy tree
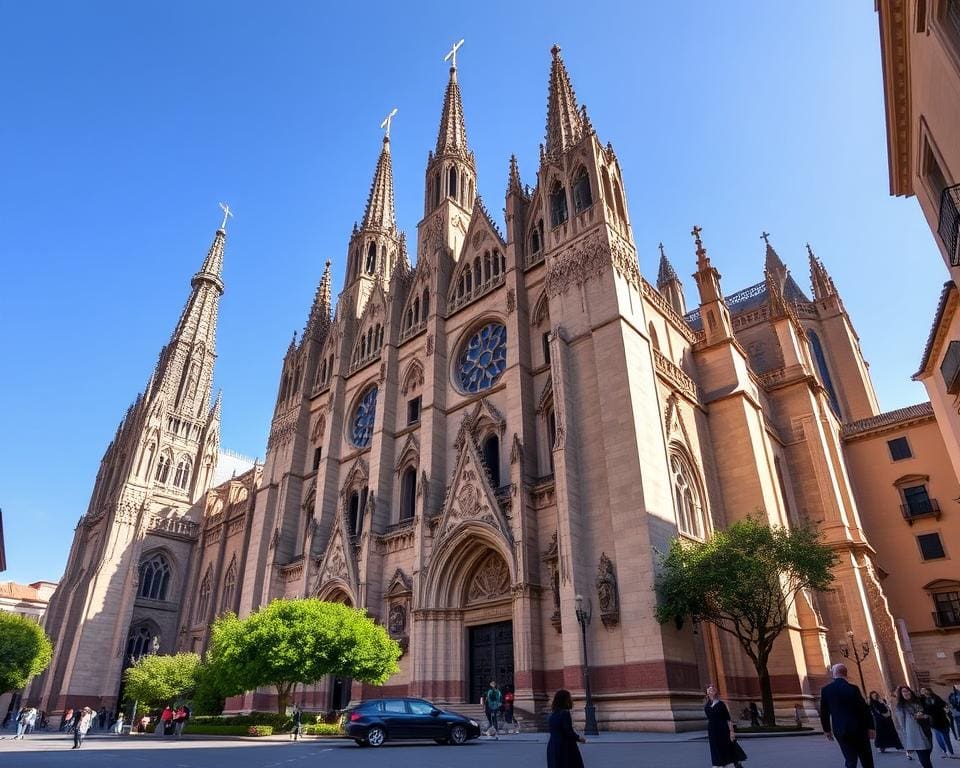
[(25, 651), (161, 680), (744, 580), (298, 641)]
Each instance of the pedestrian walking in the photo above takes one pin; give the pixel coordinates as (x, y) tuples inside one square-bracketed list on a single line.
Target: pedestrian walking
[(887, 737), (297, 722), (180, 718), (509, 720), (165, 722), (83, 725), (846, 719), (22, 722), (936, 709), (754, 714), (954, 701), (914, 725), (724, 749), (117, 727), (562, 749), (65, 719), (492, 700)]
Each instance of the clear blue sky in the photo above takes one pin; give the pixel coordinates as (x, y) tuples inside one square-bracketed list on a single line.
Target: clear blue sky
[(125, 123)]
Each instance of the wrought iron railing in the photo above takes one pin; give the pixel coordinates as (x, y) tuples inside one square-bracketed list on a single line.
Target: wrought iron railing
[(920, 508), (948, 226)]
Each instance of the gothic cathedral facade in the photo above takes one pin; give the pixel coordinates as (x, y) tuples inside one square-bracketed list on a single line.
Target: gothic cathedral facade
[(468, 446)]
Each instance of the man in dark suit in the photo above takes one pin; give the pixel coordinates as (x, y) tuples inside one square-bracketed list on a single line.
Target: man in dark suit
[(846, 718)]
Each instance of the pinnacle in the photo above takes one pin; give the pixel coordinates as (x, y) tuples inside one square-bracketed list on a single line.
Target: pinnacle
[(822, 283), (513, 179), (452, 136), (666, 272), (565, 121), (380, 212), (212, 267)]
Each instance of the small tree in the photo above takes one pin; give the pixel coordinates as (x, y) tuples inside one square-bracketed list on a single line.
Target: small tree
[(744, 581), (160, 680), (25, 651), (298, 641)]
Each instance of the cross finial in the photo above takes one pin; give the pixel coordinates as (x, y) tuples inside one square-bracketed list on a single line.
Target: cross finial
[(227, 214), (386, 122), (662, 254), (696, 233), (765, 236), (452, 54)]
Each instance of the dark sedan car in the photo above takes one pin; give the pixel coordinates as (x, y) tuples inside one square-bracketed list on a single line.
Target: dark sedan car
[(373, 722)]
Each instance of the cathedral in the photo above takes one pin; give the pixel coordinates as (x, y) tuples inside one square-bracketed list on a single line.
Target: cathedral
[(477, 438)]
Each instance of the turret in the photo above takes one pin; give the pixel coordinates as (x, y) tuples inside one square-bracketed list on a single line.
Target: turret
[(713, 309), (669, 285)]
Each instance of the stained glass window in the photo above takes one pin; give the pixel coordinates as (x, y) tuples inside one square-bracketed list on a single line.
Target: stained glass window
[(363, 418), (483, 358)]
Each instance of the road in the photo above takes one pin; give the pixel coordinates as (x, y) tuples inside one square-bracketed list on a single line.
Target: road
[(607, 751)]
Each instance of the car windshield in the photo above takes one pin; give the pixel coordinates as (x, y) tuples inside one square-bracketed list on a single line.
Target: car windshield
[(419, 707)]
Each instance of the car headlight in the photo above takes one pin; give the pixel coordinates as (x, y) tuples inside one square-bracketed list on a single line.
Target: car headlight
[(474, 723)]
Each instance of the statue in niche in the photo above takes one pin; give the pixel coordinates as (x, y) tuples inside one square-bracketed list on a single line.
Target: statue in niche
[(607, 592), (397, 622)]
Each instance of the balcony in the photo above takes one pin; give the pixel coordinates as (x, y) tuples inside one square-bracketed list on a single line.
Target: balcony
[(920, 508), (946, 618), (948, 226)]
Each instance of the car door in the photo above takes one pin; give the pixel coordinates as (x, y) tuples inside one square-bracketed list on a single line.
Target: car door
[(423, 723), (396, 718)]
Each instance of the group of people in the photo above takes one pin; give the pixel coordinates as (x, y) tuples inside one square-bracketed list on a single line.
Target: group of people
[(28, 720), (498, 704), (171, 721), (910, 721)]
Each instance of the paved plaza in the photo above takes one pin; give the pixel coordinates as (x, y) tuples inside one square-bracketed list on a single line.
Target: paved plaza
[(605, 751)]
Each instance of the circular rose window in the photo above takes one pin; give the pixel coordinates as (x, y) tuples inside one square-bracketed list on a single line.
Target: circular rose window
[(361, 430), (483, 358)]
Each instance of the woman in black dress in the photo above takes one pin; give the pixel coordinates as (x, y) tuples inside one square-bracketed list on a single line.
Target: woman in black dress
[(887, 736), (562, 749), (724, 749)]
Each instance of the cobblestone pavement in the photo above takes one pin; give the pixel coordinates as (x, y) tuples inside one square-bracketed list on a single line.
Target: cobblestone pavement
[(527, 751)]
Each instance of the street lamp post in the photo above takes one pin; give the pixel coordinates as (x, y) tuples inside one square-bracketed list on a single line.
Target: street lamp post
[(859, 655), (590, 712)]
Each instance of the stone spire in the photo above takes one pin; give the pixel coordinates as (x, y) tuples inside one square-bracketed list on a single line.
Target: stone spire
[(380, 212), (669, 285), (452, 136), (565, 120), (514, 185), (319, 318), (823, 286), (717, 325), (773, 264)]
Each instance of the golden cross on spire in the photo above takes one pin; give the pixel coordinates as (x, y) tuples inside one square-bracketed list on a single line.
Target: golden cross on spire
[(696, 233), (452, 54), (765, 236), (387, 120), (227, 213)]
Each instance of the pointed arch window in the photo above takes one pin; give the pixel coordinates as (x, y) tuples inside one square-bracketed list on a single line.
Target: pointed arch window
[(436, 189), (140, 642), (582, 196), (154, 577), (182, 477), (452, 183), (425, 304), (355, 509), (558, 205), (203, 598), (551, 436), (618, 199), (607, 189), (229, 586), (371, 266), (687, 500), (491, 457), (408, 493), (364, 416), (146, 459), (823, 370), (163, 468)]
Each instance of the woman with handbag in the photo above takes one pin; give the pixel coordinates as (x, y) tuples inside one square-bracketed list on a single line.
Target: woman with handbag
[(724, 749), (914, 725)]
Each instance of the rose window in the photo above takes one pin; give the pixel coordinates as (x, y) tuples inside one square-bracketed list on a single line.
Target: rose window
[(483, 358), (362, 430)]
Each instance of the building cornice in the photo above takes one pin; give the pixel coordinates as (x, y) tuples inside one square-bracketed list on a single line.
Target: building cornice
[(947, 306), (895, 58), (888, 422)]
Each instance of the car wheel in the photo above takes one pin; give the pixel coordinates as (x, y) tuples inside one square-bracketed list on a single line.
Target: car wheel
[(458, 735), (360, 742), (376, 736), (442, 741)]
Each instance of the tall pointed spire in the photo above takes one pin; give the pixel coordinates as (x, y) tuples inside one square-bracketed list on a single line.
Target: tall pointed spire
[(666, 272), (565, 121), (514, 184), (823, 286), (212, 268), (452, 136), (380, 212), (772, 263), (319, 318), (669, 285)]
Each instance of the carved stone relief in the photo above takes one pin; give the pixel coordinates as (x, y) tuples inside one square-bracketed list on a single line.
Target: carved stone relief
[(607, 592), (492, 580)]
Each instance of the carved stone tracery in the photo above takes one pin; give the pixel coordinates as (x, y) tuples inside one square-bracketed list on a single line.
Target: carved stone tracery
[(491, 580)]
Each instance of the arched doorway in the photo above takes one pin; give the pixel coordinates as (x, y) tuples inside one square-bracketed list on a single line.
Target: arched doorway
[(488, 620), (339, 689)]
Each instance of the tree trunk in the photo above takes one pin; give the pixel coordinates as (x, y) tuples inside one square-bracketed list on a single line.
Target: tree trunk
[(283, 695), (766, 694)]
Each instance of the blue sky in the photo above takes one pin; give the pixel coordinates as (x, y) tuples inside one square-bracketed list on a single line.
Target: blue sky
[(125, 123)]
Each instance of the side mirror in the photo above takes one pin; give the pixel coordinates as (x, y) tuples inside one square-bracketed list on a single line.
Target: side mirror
[(435, 712)]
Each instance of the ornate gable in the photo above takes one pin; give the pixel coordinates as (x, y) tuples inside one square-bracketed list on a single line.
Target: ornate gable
[(357, 477), (675, 426), (409, 454), (400, 585), (337, 565), (481, 266), (484, 416), (470, 499), (370, 330)]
